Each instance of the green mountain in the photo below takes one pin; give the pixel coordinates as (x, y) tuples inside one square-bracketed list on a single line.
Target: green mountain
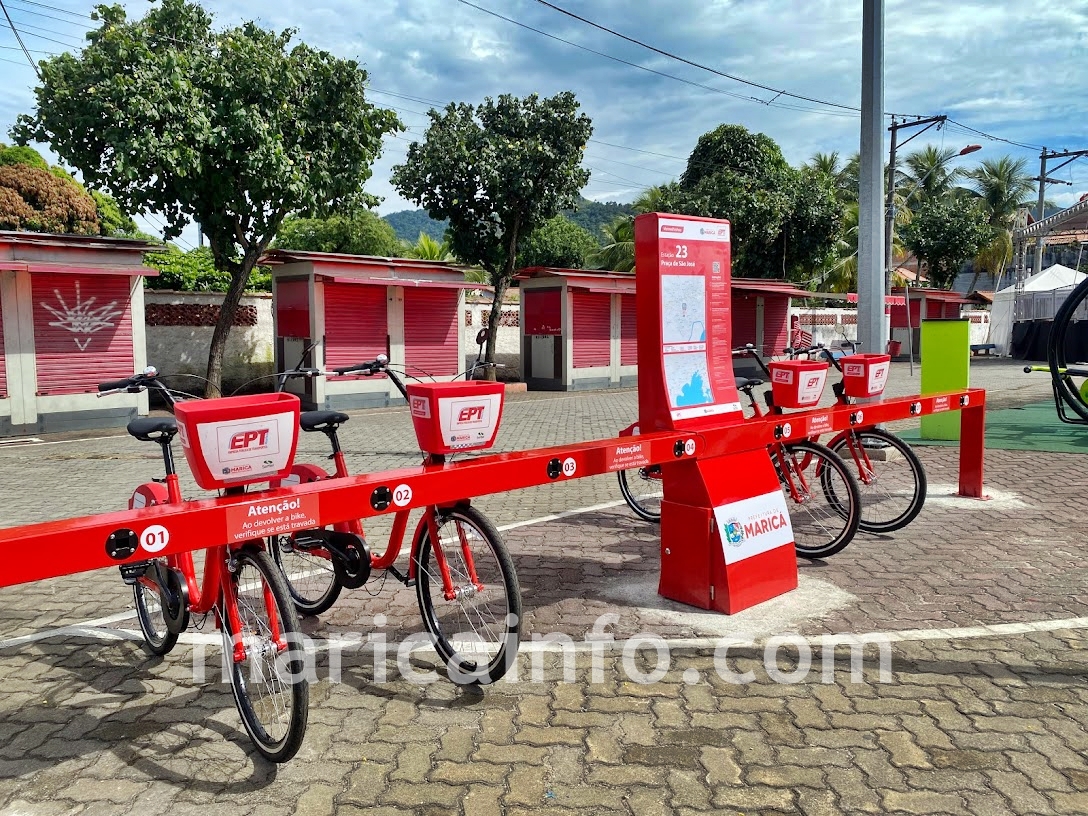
[(590, 215), (408, 224)]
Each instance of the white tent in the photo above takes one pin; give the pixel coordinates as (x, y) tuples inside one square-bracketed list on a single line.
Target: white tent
[(1001, 314)]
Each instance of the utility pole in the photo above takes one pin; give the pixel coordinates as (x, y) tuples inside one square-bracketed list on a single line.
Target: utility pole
[(889, 204), (1044, 157), (871, 328)]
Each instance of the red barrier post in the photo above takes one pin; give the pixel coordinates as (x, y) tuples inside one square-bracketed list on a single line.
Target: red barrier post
[(972, 443)]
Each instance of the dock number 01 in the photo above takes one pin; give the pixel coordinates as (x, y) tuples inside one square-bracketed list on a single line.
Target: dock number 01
[(155, 538)]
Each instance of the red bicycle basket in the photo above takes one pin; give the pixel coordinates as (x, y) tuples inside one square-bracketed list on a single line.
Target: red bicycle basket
[(450, 417), (865, 375), (797, 383), (239, 440)]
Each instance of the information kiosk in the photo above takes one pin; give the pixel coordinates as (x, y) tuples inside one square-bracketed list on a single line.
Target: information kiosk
[(726, 539)]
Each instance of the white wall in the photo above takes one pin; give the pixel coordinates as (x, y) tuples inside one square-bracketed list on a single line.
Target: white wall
[(508, 342), (184, 349)]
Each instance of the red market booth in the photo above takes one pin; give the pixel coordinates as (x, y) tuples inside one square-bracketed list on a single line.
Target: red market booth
[(577, 329), (761, 313), (71, 316), (357, 307), (925, 304)]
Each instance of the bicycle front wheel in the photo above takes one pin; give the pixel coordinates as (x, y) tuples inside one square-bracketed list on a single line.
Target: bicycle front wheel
[(891, 478), (150, 612), (308, 570), (269, 688), (825, 506), (641, 489), (475, 621)]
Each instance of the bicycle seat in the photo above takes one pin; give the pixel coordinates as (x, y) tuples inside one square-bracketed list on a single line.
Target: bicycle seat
[(321, 420), (153, 429), (746, 385)]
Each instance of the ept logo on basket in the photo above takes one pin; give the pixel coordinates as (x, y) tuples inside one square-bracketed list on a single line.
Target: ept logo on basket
[(421, 407), (247, 448), (470, 413), (783, 375)]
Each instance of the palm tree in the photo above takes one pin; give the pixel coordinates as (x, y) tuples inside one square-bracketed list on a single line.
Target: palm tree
[(428, 249), (843, 175), (928, 174), (650, 200), (618, 252), (1003, 187)]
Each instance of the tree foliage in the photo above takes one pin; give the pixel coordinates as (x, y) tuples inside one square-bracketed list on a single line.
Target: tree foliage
[(233, 129), (593, 216), (785, 222), (943, 234), (36, 200), (497, 171), (194, 271), (618, 251), (558, 242), (361, 233), (427, 248)]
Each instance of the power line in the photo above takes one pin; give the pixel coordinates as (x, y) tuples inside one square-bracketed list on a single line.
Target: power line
[(22, 45), (24, 25), (778, 92), (977, 132), (16, 7), (721, 91), (54, 8)]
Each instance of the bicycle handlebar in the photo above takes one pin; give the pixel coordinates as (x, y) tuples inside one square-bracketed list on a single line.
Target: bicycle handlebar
[(367, 369)]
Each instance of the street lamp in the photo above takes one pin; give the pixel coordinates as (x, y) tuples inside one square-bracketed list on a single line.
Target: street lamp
[(889, 227)]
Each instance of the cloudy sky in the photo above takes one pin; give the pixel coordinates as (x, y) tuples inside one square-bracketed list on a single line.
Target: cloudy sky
[(1011, 71)]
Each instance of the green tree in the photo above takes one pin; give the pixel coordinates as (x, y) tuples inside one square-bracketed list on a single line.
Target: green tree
[(195, 271), (361, 233), (558, 242), (1003, 187), (233, 129), (13, 154), (497, 171), (785, 222), (618, 251), (928, 174), (943, 234), (427, 249)]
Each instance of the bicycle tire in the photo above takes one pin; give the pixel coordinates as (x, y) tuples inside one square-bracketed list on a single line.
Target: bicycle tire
[(276, 721), (1064, 387), (493, 617), (311, 579), (871, 492), (819, 534), (158, 639), (647, 507)]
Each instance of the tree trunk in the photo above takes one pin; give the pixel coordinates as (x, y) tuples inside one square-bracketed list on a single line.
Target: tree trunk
[(239, 275), (493, 326)]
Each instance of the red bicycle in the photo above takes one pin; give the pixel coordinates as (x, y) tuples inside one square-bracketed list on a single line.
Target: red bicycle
[(466, 586), (242, 587), (890, 476)]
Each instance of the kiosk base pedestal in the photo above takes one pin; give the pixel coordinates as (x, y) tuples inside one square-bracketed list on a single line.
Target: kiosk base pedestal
[(734, 551)]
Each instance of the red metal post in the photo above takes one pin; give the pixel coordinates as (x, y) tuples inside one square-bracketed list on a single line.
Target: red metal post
[(972, 444)]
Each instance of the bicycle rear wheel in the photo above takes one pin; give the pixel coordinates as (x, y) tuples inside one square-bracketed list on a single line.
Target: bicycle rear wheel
[(477, 631), (892, 481), (271, 694), (642, 490), (308, 571), (825, 505)]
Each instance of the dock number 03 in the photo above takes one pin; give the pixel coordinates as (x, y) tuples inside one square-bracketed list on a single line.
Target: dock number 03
[(681, 250)]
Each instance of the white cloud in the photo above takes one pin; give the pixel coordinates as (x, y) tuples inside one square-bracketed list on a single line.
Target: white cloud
[(991, 65)]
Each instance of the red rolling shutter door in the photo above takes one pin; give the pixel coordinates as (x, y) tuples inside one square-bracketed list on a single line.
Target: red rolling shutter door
[(776, 324), (430, 331), (3, 360), (628, 331), (356, 327), (82, 331), (592, 329), (744, 320)]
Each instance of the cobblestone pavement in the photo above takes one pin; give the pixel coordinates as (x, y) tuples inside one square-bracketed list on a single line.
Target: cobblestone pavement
[(976, 703)]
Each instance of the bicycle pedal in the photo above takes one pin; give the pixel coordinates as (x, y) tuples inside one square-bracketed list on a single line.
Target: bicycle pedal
[(130, 573)]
